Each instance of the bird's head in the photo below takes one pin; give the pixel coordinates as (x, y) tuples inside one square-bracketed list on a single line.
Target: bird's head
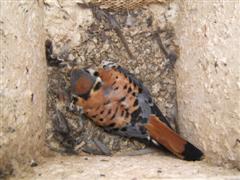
[(84, 82)]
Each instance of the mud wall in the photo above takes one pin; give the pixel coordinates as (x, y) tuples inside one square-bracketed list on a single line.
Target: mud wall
[(23, 83), (208, 77)]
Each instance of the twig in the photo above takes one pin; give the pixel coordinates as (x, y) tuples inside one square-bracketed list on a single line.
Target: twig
[(159, 41), (102, 147), (172, 57)]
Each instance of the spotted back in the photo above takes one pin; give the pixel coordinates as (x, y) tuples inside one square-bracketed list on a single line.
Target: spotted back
[(128, 102)]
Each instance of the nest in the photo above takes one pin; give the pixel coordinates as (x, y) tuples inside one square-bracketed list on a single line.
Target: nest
[(129, 38), (118, 5)]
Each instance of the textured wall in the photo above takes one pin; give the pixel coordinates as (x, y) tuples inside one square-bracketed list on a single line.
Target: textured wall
[(208, 77), (23, 82)]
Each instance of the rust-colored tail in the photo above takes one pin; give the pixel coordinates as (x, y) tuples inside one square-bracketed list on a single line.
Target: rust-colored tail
[(165, 136)]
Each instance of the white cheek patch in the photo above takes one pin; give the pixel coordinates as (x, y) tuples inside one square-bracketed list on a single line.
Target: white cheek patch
[(98, 80)]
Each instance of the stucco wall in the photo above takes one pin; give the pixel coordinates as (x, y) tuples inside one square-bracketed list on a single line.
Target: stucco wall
[(23, 82), (208, 77)]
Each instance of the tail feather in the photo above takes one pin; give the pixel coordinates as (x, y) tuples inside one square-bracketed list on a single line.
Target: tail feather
[(171, 140)]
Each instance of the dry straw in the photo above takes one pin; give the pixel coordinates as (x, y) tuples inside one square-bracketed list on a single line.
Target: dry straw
[(124, 4)]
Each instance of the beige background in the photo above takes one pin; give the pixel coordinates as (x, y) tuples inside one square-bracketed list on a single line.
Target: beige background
[(208, 84), (23, 83)]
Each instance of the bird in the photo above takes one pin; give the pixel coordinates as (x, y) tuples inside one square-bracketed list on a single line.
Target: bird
[(114, 99)]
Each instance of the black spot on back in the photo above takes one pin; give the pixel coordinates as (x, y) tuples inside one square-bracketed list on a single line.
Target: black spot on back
[(111, 124), (127, 114), (135, 102), (122, 113), (135, 115), (129, 89), (122, 99), (113, 83), (114, 114), (98, 107), (94, 116), (131, 77), (125, 87)]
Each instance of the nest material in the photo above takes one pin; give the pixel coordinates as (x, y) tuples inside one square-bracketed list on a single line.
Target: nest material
[(118, 5), (70, 132)]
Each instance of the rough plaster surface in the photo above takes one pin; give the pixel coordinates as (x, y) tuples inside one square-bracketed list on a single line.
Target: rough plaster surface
[(65, 23), (23, 83), (208, 108), (208, 81), (154, 166)]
